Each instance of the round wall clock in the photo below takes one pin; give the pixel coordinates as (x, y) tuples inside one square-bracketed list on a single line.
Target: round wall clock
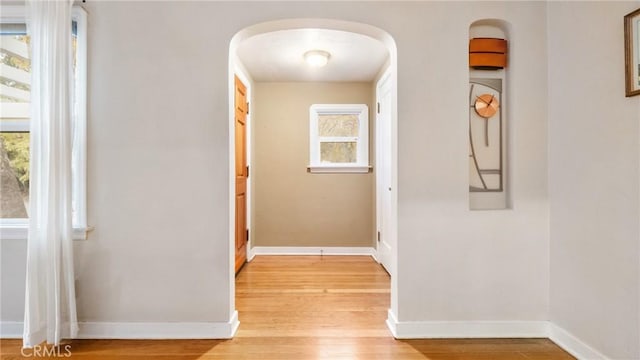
[(486, 105)]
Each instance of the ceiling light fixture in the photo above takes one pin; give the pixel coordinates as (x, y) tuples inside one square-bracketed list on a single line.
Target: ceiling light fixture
[(317, 58)]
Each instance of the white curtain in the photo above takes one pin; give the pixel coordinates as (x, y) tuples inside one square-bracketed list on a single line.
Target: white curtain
[(50, 306)]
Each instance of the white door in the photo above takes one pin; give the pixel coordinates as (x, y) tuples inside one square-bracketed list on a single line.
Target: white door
[(386, 241)]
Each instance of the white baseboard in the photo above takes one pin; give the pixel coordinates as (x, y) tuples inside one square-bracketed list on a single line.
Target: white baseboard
[(399, 330), (465, 329), (310, 250), (572, 344), (492, 329), (250, 253), (141, 330), (392, 322)]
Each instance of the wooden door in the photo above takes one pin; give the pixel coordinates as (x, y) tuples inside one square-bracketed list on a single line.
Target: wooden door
[(241, 172)]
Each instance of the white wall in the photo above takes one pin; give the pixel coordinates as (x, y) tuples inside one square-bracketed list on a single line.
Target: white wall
[(13, 271), (157, 183), (456, 264), (158, 154), (160, 67), (594, 179), (159, 149)]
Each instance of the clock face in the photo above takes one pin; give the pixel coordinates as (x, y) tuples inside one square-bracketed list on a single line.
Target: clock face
[(485, 135), (487, 105)]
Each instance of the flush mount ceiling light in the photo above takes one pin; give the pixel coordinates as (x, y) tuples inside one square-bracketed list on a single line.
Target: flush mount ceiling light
[(317, 58)]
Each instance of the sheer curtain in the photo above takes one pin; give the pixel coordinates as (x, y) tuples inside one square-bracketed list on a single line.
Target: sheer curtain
[(50, 306)]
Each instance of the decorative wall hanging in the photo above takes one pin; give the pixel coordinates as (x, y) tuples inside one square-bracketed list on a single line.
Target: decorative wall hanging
[(487, 53), (485, 135), (632, 52), (487, 104)]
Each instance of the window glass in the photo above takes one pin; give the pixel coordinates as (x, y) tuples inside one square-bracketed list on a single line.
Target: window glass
[(15, 77), (15, 92), (338, 125), (14, 184), (338, 152)]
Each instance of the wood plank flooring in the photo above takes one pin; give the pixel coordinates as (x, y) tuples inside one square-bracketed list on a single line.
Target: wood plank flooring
[(310, 307)]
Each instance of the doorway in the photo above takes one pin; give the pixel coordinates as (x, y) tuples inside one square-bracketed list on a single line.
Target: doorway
[(385, 168)]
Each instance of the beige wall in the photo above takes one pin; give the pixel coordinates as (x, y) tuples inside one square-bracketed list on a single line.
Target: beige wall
[(292, 207)]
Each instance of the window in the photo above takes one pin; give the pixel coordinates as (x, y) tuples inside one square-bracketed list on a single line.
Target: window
[(15, 79), (339, 138)]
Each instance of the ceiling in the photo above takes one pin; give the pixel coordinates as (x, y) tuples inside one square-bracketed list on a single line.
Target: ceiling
[(278, 56)]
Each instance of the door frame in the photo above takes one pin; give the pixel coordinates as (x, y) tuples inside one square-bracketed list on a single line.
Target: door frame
[(234, 64)]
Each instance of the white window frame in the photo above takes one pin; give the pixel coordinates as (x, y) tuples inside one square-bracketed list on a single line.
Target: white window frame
[(362, 162), (18, 228)]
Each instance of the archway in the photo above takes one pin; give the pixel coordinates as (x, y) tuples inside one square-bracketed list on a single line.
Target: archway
[(391, 74)]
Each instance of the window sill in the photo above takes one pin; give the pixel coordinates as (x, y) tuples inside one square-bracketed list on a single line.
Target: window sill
[(338, 169), (21, 232)]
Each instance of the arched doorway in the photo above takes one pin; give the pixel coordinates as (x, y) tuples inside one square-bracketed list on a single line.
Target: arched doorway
[(387, 173)]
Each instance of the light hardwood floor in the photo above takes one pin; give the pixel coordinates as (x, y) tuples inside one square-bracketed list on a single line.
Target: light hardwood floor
[(310, 307)]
